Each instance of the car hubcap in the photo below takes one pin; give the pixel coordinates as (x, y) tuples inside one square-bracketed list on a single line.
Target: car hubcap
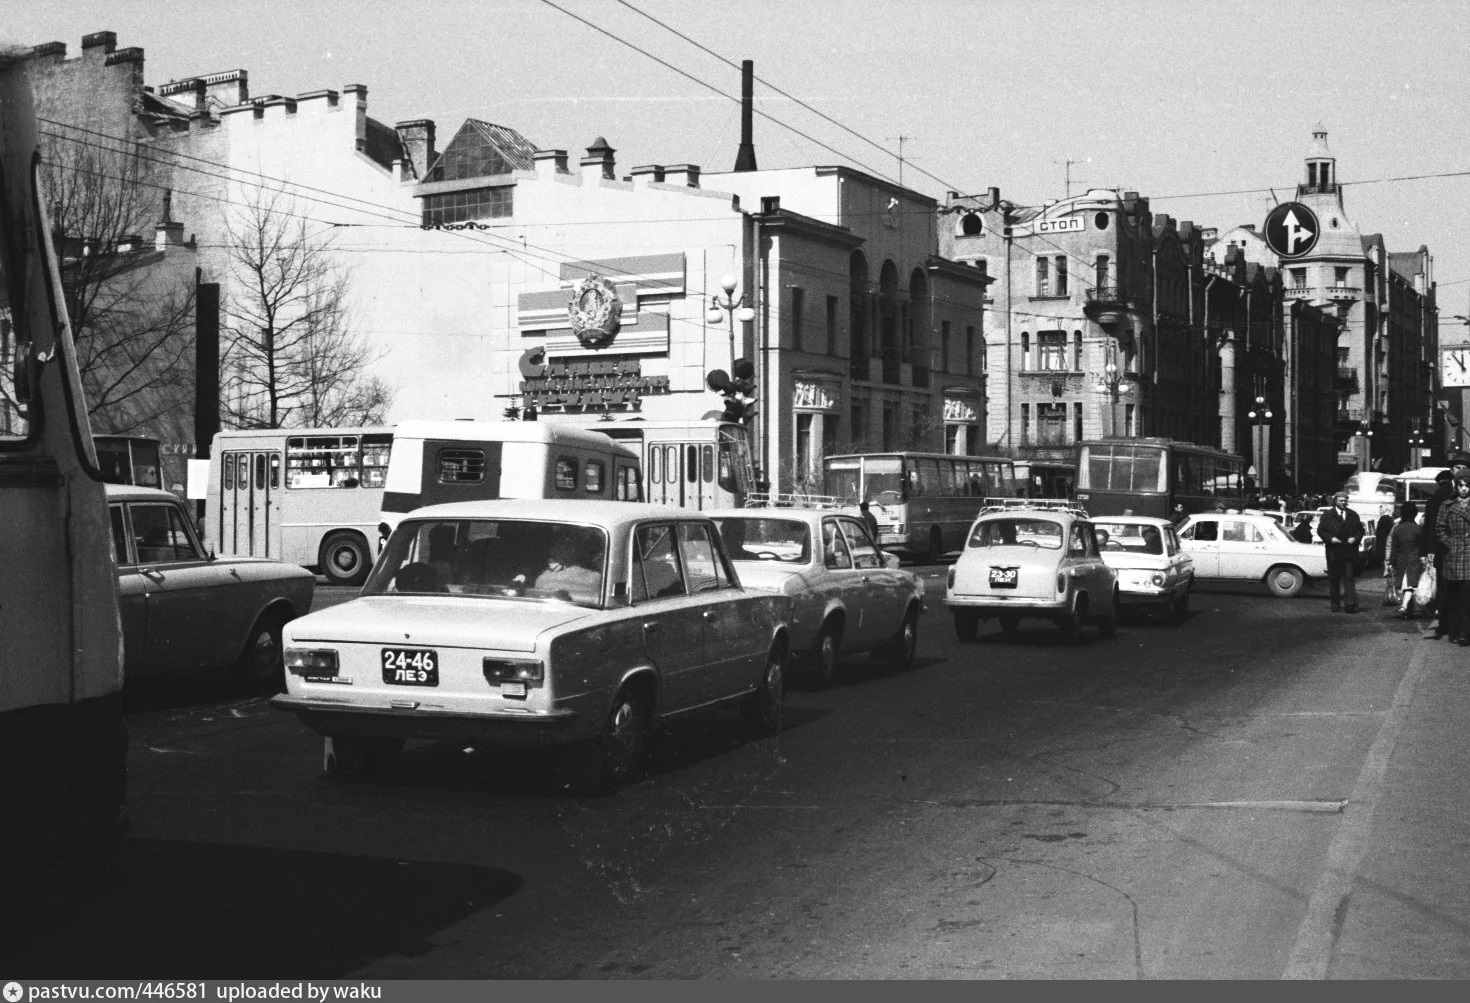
[(774, 681)]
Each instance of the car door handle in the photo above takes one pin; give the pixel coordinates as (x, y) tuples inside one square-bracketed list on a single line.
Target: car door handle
[(151, 574), (865, 578), (650, 626), (708, 614)]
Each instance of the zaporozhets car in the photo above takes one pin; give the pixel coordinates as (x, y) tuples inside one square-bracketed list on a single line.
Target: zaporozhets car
[(553, 623), (1155, 574), (847, 595), (1032, 562), (183, 608)]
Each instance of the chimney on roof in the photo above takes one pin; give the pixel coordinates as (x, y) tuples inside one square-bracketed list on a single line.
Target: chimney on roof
[(104, 40), (745, 158), (417, 137), (600, 158)]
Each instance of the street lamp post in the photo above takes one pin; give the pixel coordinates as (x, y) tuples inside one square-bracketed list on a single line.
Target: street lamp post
[(728, 305), (1364, 445), (1112, 384), (1260, 417), (1418, 442)]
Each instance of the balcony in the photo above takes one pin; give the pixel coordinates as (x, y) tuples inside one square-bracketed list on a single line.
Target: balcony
[(1298, 293), (1343, 292), (1349, 414), (1106, 304), (1317, 190)]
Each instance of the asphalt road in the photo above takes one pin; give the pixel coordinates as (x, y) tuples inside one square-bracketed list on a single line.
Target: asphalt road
[(1226, 798)]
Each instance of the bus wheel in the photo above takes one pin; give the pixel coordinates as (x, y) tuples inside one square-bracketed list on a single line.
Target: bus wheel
[(936, 543), (345, 559)]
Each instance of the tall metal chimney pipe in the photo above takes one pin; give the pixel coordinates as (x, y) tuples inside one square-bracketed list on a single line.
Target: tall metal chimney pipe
[(745, 159)]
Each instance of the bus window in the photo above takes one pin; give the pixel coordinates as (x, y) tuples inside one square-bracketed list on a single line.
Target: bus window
[(260, 471), (275, 462), (691, 463), (376, 450), (707, 464), (566, 473), (229, 475), (592, 477), (843, 477), (959, 482), (883, 475), (655, 466), (929, 476), (462, 466)]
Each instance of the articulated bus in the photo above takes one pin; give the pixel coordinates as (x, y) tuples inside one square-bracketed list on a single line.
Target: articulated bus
[(325, 498), (699, 463), (924, 502), (1149, 476), (63, 742)]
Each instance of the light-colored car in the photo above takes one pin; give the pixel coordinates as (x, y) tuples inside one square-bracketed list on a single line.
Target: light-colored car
[(1234, 546), (1154, 571), (846, 594), (534, 623), (1037, 561), (183, 608)]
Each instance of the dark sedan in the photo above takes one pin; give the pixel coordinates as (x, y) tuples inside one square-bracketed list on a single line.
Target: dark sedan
[(184, 608)]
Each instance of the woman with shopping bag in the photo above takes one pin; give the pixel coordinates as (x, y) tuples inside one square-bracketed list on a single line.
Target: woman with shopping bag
[(1403, 561), (1452, 526)]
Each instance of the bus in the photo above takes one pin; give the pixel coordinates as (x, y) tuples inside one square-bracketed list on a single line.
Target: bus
[(924, 502), (129, 459), (63, 740), (317, 496), (1046, 478), (699, 463), (1149, 476)]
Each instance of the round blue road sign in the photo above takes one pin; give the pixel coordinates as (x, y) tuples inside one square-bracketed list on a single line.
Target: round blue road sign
[(1291, 230)]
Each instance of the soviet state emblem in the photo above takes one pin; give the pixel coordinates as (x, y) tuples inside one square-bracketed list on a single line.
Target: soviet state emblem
[(595, 311)]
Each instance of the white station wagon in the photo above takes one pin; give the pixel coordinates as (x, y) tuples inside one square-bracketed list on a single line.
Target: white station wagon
[(1032, 560), (847, 595), (553, 622)]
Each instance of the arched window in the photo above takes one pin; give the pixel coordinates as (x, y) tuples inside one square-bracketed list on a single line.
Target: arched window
[(971, 225)]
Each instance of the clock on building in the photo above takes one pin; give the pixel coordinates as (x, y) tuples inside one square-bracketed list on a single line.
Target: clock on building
[(1455, 370)]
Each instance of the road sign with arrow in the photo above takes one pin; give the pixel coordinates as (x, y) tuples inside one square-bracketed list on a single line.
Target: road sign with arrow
[(1291, 230)]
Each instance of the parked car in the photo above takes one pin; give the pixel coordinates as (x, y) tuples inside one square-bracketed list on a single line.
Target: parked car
[(1155, 574), (846, 594), (184, 608), (1233, 546), (537, 623), (1037, 561)]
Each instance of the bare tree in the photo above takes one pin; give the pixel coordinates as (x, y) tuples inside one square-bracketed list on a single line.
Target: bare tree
[(290, 356), (131, 311)]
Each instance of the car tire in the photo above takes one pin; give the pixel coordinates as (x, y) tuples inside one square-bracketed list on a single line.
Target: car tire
[(966, 624), (1285, 581), (352, 757), (345, 559), (1009, 624), (1107, 621), (262, 662), (762, 709), (936, 543), (827, 650), (902, 650), (1070, 623), (622, 747)]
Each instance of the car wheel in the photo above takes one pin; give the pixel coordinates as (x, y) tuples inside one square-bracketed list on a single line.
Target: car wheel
[(966, 624), (827, 650), (900, 651), (261, 662), (762, 709), (1107, 621), (1285, 581), (936, 543), (622, 748), (352, 756), (1009, 624), (1071, 623), (345, 559)]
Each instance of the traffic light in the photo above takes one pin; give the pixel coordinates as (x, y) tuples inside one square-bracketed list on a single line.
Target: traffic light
[(738, 390)]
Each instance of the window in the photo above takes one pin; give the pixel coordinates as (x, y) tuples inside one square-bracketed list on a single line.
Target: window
[(798, 311), (702, 564), (834, 547), (627, 484), (1298, 278), (970, 351), (1101, 270), (944, 346), (1025, 350), (461, 466), (473, 203), (160, 536), (1077, 422), (1207, 531), (1061, 276), (592, 477), (1043, 277), (119, 538), (655, 572), (1025, 422), (1341, 276), (1077, 351), (1052, 424), (1053, 350), (318, 461), (889, 430), (566, 473), (831, 325), (864, 553)]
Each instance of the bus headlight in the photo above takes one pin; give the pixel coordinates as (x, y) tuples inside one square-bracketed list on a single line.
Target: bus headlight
[(311, 661)]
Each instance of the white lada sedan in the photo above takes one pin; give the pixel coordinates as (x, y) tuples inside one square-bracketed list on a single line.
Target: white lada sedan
[(1155, 573), (553, 622), (1236, 546), (847, 595), (1032, 562)]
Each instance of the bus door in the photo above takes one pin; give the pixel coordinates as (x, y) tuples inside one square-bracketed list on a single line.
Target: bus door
[(663, 472), (249, 524), (699, 475)]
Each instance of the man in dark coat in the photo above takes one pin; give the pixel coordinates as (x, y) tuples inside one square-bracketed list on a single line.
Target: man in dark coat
[(1431, 543), (1340, 529)]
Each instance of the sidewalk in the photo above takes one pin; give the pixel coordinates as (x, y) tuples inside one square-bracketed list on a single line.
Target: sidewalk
[(1406, 914)]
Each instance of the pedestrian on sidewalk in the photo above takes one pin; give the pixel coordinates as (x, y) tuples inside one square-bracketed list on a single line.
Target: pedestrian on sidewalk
[(1453, 528), (1340, 529), (1404, 560), (1431, 544)]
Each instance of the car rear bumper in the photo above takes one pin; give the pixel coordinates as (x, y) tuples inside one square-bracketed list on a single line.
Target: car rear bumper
[(526, 728), (994, 606)]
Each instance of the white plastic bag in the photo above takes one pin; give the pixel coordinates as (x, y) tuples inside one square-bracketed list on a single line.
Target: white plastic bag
[(1428, 585)]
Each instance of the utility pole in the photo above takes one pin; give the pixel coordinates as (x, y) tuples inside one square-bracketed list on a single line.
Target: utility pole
[(1067, 174), (901, 140)]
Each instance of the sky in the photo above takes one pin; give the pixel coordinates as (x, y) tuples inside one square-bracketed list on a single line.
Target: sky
[(1207, 109)]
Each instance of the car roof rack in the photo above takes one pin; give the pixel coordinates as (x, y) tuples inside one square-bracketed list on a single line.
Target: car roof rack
[(1044, 504), (794, 499)]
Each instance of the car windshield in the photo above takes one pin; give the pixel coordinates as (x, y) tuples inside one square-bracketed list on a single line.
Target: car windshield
[(1017, 532), (493, 557), (1129, 538), (785, 540)]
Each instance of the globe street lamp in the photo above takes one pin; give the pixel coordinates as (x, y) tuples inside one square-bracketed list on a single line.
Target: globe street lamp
[(1260, 417), (1418, 442), (1364, 445), (728, 305), (1114, 385)]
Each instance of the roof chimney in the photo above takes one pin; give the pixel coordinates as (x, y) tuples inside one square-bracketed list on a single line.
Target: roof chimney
[(600, 159), (745, 159)]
